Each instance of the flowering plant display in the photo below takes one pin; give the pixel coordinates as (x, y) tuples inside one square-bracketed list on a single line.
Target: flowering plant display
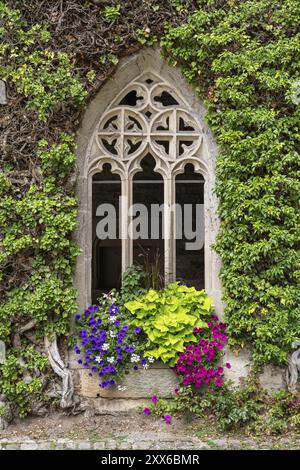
[(198, 368), (170, 318), (198, 363), (160, 408), (108, 345)]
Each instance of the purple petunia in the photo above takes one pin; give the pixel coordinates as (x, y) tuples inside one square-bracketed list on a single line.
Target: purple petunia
[(168, 419), (113, 310)]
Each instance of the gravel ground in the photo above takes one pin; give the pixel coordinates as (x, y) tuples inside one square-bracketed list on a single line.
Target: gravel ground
[(133, 431)]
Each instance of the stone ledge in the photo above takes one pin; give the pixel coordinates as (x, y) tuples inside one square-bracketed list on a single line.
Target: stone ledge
[(139, 384)]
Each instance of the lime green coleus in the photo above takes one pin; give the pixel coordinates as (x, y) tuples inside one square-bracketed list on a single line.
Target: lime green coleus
[(168, 318)]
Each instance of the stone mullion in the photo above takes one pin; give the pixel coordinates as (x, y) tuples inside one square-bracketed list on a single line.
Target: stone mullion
[(126, 238), (169, 245)]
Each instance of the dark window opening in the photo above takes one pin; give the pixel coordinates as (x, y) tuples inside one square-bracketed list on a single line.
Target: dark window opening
[(190, 262), (131, 99), (148, 189), (166, 99), (106, 254), (111, 147)]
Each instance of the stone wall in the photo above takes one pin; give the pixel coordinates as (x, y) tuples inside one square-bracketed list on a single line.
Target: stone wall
[(138, 386), (159, 379)]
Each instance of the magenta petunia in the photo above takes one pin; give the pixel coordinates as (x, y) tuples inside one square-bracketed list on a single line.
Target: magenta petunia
[(218, 382), (228, 365), (168, 419), (154, 399), (147, 411)]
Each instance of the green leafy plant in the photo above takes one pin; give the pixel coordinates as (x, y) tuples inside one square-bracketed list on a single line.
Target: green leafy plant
[(109, 59), (248, 408), (145, 37), (17, 367), (168, 318), (112, 12), (240, 58), (132, 284)]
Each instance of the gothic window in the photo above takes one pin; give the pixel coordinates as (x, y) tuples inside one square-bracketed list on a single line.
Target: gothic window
[(148, 136), (146, 143)]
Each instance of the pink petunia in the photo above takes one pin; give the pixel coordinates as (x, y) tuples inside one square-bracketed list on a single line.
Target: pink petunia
[(218, 382), (168, 419)]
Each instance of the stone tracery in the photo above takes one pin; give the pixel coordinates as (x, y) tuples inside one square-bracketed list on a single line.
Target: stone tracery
[(148, 114), (165, 119)]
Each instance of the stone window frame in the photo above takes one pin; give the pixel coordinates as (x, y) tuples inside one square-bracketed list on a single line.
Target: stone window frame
[(91, 156)]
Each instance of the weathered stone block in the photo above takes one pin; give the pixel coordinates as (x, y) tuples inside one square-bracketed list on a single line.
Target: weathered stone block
[(138, 384), (3, 98), (272, 378), (116, 405), (240, 365)]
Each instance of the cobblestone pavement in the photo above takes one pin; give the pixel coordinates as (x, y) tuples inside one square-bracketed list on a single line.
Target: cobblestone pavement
[(149, 441)]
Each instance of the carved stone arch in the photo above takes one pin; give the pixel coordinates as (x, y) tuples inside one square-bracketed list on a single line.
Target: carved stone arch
[(160, 167), (199, 166), (146, 107), (116, 167)]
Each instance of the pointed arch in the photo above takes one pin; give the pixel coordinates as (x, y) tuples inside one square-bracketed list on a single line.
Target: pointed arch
[(147, 107)]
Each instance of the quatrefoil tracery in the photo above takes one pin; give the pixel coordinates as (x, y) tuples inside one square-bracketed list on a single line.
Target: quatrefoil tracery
[(148, 114)]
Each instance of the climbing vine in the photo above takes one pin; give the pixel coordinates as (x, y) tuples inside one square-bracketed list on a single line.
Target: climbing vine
[(243, 58), (53, 57)]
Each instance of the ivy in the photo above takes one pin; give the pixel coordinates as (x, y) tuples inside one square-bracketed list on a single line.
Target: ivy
[(43, 76), (17, 367), (242, 58)]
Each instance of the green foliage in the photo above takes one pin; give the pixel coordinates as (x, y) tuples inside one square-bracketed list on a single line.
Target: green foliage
[(179, 5), (59, 159), (17, 367), (243, 58), (235, 408), (132, 284), (109, 59), (112, 12), (145, 37), (231, 408), (44, 77), (37, 218), (168, 318)]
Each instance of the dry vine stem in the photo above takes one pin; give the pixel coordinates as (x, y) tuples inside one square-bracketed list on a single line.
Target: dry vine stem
[(293, 368), (61, 370)]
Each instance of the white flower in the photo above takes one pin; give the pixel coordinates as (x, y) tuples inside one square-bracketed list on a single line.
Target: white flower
[(151, 359), (146, 366), (111, 359), (97, 358), (112, 319), (122, 389), (134, 358), (105, 346), (112, 334)]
